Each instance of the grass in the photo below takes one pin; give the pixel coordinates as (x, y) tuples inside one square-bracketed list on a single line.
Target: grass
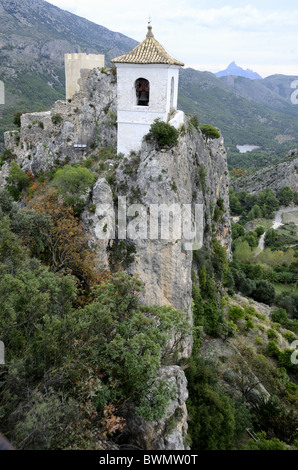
[(288, 217), (253, 224), (290, 288)]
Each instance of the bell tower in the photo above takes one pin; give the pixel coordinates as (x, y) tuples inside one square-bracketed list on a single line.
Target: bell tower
[(147, 88)]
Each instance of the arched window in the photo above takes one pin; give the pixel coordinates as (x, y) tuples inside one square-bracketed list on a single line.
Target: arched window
[(142, 91)]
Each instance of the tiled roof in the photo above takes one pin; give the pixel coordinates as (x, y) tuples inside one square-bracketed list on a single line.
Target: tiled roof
[(148, 52)]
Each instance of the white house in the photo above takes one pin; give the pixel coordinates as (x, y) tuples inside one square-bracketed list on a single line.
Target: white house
[(147, 88)]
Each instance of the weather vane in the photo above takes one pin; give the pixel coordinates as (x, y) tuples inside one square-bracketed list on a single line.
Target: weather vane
[(149, 19)]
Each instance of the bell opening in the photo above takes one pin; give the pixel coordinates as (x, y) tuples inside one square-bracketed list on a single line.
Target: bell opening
[(142, 92)]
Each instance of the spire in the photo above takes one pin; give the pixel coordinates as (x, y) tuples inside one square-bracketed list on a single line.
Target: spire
[(149, 33)]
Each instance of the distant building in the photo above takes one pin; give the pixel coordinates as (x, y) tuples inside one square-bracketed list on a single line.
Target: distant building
[(74, 63), (147, 88)]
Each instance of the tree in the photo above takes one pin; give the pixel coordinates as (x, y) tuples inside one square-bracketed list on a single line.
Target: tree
[(264, 444), (237, 231), (286, 196), (264, 292), (212, 424), (73, 184), (17, 118), (235, 204), (209, 132), (240, 376), (17, 180), (129, 343), (243, 252), (278, 422), (68, 242), (270, 237), (255, 212)]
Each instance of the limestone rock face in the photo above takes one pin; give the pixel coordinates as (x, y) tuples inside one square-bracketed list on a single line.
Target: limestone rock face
[(71, 130), (101, 216), (274, 177), (168, 433)]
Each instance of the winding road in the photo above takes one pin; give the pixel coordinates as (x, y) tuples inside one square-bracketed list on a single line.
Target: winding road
[(277, 223)]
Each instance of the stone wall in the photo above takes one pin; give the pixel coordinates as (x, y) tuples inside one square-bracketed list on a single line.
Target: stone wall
[(74, 63)]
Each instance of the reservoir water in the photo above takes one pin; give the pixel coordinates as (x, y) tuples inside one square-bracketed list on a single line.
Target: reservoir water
[(246, 148)]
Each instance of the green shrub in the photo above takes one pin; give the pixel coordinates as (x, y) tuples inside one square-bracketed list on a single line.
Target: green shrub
[(272, 334), (17, 180), (194, 121), (273, 350), (279, 315), (56, 119), (249, 325), (258, 340), (73, 183), (249, 310), (209, 132), (264, 292), (289, 336), (163, 133), (236, 313)]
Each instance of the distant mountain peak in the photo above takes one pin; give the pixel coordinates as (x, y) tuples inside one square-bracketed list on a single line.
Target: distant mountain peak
[(234, 69)]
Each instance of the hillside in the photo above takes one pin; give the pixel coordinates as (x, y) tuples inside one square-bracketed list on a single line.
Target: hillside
[(34, 36), (241, 120), (274, 92), (273, 177)]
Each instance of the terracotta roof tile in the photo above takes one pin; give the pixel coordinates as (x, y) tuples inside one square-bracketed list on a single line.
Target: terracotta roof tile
[(148, 52)]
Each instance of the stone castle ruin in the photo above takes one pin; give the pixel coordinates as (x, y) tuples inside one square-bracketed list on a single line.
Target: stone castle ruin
[(74, 63)]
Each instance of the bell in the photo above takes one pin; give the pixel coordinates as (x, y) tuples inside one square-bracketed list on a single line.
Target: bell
[(143, 97)]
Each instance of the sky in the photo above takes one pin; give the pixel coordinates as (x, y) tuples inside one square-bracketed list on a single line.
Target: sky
[(206, 35)]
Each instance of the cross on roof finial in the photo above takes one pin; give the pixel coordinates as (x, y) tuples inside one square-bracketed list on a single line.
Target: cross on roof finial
[(149, 33)]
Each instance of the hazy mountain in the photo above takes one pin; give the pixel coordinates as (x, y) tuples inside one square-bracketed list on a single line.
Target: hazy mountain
[(234, 69), (241, 119), (274, 92)]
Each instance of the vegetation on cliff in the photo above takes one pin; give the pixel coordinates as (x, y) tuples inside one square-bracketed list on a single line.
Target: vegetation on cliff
[(79, 343)]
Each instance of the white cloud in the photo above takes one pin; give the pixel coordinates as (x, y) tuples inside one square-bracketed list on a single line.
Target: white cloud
[(256, 35)]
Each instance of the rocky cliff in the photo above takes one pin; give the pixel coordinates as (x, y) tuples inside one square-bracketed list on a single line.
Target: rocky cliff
[(273, 177), (193, 173)]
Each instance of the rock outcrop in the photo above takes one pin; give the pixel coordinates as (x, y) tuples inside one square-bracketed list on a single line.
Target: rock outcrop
[(71, 130), (191, 175), (273, 177)]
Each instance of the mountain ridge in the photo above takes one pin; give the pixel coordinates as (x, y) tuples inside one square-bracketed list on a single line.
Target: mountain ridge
[(35, 35), (234, 69)]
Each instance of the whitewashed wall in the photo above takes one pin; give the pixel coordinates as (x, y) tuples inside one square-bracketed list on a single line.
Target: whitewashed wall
[(134, 121)]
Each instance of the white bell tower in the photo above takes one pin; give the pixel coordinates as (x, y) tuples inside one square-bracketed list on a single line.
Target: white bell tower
[(147, 88)]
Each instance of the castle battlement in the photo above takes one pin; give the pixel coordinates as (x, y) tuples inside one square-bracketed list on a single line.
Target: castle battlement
[(74, 63)]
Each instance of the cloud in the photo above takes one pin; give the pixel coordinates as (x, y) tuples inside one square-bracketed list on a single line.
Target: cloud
[(247, 18), (261, 33)]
